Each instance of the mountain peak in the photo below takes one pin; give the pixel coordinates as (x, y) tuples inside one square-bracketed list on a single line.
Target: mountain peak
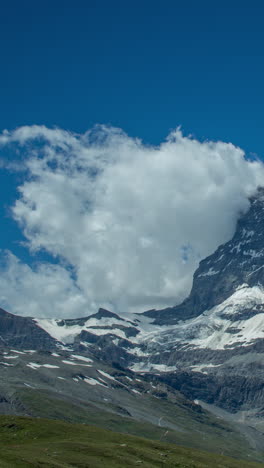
[(237, 262)]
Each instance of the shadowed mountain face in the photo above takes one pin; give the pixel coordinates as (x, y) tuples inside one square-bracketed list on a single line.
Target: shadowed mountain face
[(210, 348), (23, 332)]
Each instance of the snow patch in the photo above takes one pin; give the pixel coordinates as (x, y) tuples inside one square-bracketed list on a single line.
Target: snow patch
[(92, 381), (81, 358), (254, 253), (108, 376), (34, 365), (210, 272), (201, 367), (50, 366), (72, 363), (150, 367)]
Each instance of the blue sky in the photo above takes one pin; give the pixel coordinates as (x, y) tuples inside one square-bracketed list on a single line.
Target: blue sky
[(143, 66)]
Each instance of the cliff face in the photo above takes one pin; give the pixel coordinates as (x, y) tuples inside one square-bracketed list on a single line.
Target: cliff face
[(22, 332)]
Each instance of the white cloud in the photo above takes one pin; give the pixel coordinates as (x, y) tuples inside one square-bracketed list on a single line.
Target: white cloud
[(47, 290), (131, 221)]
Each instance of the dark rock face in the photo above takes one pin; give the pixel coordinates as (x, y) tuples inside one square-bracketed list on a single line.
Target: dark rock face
[(102, 313), (104, 348), (230, 392), (23, 333)]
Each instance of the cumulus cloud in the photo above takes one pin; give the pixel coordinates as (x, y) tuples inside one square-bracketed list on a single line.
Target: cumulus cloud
[(43, 291), (127, 223)]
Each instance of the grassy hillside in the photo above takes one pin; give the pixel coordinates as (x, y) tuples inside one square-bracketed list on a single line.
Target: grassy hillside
[(179, 424), (28, 442)]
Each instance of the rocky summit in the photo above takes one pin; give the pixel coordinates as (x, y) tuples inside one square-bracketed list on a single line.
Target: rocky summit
[(206, 354)]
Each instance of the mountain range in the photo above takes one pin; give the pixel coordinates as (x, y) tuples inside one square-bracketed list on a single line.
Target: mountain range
[(191, 374)]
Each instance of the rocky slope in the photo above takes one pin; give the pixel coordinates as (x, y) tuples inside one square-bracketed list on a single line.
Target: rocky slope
[(81, 388), (23, 332)]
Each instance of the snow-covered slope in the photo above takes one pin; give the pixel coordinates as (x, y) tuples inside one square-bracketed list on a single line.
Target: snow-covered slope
[(132, 327), (224, 326)]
